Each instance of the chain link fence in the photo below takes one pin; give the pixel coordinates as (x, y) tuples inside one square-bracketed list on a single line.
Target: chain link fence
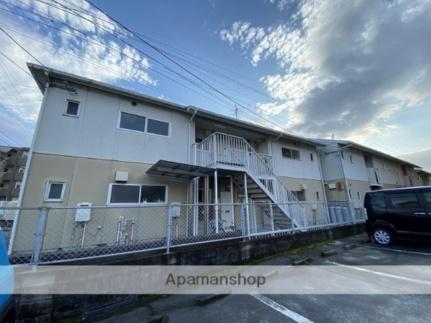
[(45, 235)]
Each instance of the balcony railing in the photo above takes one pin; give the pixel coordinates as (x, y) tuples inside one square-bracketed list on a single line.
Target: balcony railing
[(374, 176)]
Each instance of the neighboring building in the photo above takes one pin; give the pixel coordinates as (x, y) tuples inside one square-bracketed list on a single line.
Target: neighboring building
[(425, 177), (350, 170), (12, 165), (107, 146)]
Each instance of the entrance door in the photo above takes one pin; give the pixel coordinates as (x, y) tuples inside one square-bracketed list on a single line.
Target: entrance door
[(226, 211)]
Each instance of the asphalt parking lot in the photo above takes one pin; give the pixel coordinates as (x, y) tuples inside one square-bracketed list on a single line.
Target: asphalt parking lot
[(308, 308)]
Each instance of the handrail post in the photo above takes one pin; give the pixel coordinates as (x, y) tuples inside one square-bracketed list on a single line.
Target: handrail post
[(247, 209), (271, 212), (169, 228), (215, 148), (39, 235)]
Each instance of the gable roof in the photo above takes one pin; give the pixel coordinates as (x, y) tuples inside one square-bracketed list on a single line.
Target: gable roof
[(43, 75), (349, 143)]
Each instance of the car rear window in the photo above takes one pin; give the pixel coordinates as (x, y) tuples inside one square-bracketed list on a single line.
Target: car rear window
[(427, 198), (377, 200), (404, 200)]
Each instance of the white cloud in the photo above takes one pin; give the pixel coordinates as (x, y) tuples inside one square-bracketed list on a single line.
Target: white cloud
[(345, 66), (97, 55)]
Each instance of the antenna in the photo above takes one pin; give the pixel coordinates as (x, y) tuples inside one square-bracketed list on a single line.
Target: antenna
[(236, 111)]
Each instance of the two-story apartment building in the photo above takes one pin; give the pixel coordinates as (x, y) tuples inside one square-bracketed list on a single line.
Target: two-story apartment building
[(350, 170), (99, 144)]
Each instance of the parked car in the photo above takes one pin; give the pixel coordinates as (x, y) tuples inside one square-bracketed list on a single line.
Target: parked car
[(399, 213), (7, 301)]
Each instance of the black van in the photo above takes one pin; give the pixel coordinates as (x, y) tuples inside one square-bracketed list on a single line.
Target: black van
[(399, 213)]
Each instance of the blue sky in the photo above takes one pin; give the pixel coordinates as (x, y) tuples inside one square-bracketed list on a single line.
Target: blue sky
[(357, 69)]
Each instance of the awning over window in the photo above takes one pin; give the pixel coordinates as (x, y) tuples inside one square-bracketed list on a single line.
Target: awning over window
[(178, 171)]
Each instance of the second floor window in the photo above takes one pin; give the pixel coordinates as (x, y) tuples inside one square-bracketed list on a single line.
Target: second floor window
[(290, 153), (72, 108), (142, 124)]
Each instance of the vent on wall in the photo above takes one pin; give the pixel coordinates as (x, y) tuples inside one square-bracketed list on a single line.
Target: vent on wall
[(121, 176)]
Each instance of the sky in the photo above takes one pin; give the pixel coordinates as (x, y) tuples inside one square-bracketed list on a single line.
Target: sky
[(357, 70)]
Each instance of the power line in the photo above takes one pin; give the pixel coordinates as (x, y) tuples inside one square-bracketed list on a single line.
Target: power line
[(131, 46), (161, 52), (14, 63), (18, 44), (6, 136)]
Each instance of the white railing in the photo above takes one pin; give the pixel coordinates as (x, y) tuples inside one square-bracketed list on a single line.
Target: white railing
[(220, 150), (374, 176)]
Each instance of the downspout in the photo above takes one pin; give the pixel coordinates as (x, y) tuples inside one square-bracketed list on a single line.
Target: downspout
[(188, 136), (322, 180), (349, 200), (27, 166)]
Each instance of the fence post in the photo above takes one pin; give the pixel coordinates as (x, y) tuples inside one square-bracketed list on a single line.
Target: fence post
[(39, 235), (169, 229)]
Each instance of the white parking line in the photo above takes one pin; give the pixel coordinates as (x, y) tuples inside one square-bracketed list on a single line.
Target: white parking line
[(402, 251), (413, 280), (281, 309)]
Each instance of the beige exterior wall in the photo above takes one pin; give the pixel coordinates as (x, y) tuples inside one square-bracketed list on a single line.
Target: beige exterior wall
[(356, 187), (87, 180), (311, 187)]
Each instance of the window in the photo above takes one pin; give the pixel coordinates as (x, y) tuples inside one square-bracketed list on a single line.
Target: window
[(300, 195), (72, 108), (158, 127), (404, 200), (427, 199), (153, 194), (54, 192), (311, 157), (290, 153), (317, 196), (378, 200), (139, 123), (124, 194), (135, 194), (132, 122)]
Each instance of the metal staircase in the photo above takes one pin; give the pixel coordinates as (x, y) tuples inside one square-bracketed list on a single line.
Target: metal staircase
[(224, 151)]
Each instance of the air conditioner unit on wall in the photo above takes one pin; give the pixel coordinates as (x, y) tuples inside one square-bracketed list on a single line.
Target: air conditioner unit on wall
[(332, 186)]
